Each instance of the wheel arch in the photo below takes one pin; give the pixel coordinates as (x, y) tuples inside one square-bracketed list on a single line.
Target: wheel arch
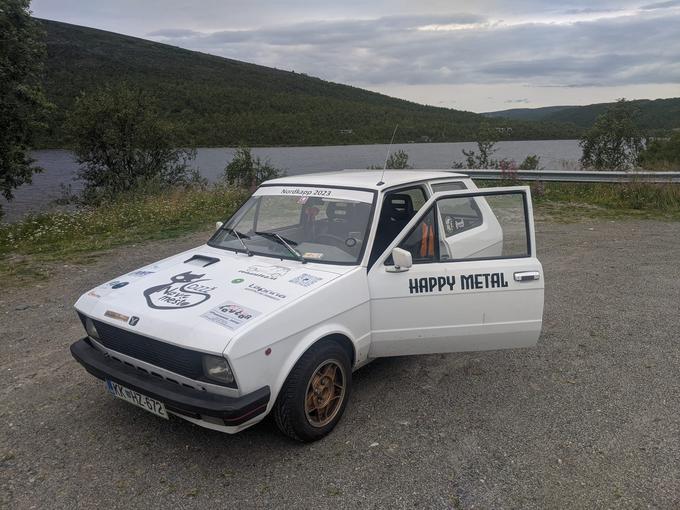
[(337, 334)]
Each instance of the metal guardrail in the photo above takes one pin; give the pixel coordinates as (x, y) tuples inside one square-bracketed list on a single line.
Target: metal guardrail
[(574, 176)]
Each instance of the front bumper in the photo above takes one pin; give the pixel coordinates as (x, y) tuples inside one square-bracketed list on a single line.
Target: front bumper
[(177, 399)]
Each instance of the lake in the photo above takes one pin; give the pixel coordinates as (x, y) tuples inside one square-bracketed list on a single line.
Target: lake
[(61, 168)]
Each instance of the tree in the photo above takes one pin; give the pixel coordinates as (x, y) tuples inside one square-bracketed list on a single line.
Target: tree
[(614, 142), (244, 170), (123, 144), (531, 162), (486, 146), (22, 103), (662, 154), (396, 161)]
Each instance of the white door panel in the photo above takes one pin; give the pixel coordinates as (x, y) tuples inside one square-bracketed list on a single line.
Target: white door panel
[(458, 317), (457, 305)]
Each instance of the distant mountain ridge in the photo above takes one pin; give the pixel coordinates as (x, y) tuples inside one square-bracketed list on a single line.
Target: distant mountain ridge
[(655, 114), (223, 102)]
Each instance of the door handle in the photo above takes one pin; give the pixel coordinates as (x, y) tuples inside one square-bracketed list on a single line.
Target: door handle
[(527, 276)]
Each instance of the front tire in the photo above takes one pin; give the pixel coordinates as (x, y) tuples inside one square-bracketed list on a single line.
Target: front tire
[(315, 394)]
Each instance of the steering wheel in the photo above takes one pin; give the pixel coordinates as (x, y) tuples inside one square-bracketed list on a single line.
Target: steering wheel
[(335, 240)]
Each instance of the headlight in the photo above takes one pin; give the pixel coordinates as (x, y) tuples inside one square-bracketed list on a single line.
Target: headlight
[(217, 369), (91, 330)]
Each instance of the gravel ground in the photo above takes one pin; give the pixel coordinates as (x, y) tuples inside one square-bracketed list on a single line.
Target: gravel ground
[(588, 418)]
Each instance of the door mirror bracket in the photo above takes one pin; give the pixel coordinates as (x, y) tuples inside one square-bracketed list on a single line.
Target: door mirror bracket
[(402, 261)]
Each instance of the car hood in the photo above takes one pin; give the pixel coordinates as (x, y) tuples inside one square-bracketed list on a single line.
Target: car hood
[(202, 298)]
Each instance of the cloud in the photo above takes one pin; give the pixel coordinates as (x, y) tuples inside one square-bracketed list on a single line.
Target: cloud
[(661, 5), (174, 33), (515, 101), (615, 49)]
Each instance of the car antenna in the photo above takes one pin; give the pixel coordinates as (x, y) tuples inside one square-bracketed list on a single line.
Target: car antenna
[(389, 148)]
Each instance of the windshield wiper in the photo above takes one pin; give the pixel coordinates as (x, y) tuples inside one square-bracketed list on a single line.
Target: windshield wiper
[(240, 237), (285, 242)]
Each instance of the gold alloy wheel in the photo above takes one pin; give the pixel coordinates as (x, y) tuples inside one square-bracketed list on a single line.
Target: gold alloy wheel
[(325, 393)]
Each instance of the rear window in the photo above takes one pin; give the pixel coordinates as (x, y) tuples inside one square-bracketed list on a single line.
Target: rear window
[(448, 186)]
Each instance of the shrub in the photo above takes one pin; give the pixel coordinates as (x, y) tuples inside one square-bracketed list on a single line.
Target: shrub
[(244, 170), (123, 145), (614, 142), (662, 154), (486, 146), (531, 162), (396, 161)]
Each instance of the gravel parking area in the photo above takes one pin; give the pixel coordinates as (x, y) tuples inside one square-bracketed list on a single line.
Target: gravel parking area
[(588, 418)]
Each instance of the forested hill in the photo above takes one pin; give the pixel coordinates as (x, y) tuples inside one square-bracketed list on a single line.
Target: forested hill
[(654, 115), (223, 102)]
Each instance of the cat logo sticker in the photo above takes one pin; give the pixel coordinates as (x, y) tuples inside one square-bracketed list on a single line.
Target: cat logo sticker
[(183, 291)]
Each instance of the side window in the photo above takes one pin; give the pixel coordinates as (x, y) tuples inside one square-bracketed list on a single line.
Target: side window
[(421, 242), (398, 208), (417, 196), (503, 217), (448, 186), (459, 215)]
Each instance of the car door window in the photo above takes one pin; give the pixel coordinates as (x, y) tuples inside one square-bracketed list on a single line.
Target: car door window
[(422, 241), (398, 208), (459, 215), (502, 221)]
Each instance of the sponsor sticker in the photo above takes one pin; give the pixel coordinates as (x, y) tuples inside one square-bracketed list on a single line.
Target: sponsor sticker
[(230, 315), (312, 255), (115, 315), (447, 283), (116, 284), (269, 272), (237, 280), (133, 321), (268, 293), (184, 290), (93, 294), (323, 193), (305, 280), (140, 273)]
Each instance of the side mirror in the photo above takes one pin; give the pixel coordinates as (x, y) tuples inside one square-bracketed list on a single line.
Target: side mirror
[(402, 261), (218, 225)]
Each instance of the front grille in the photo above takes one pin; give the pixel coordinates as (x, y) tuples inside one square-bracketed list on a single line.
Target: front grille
[(170, 357)]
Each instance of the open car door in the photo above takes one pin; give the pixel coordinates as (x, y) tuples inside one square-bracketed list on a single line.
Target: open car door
[(474, 282)]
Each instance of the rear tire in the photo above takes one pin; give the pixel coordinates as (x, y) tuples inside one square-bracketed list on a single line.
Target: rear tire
[(315, 394)]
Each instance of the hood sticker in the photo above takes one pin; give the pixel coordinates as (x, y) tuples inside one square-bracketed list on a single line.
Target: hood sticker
[(230, 315), (116, 284), (140, 273), (115, 315), (305, 280), (268, 293), (183, 291), (269, 272)]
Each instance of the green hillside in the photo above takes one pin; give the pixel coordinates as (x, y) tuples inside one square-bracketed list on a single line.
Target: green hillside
[(223, 102), (655, 115)]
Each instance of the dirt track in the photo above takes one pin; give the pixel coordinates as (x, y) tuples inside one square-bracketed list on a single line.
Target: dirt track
[(589, 418)]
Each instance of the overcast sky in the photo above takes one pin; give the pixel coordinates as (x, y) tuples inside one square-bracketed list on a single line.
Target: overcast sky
[(474, 55)]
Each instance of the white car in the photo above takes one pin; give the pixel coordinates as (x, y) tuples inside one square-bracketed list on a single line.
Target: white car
[(313, 277)]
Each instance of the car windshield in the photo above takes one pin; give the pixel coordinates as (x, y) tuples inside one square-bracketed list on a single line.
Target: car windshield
[(327, 225)]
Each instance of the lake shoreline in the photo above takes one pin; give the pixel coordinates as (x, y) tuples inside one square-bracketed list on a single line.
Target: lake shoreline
[(61, 167)]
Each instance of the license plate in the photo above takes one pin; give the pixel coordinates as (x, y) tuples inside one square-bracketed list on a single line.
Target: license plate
[(150, 404)]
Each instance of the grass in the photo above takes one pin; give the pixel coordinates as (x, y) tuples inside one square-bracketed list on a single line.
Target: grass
[(559, 201), (27, 248)]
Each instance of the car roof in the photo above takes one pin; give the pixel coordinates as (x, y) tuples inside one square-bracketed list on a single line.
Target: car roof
[(367, 179)]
